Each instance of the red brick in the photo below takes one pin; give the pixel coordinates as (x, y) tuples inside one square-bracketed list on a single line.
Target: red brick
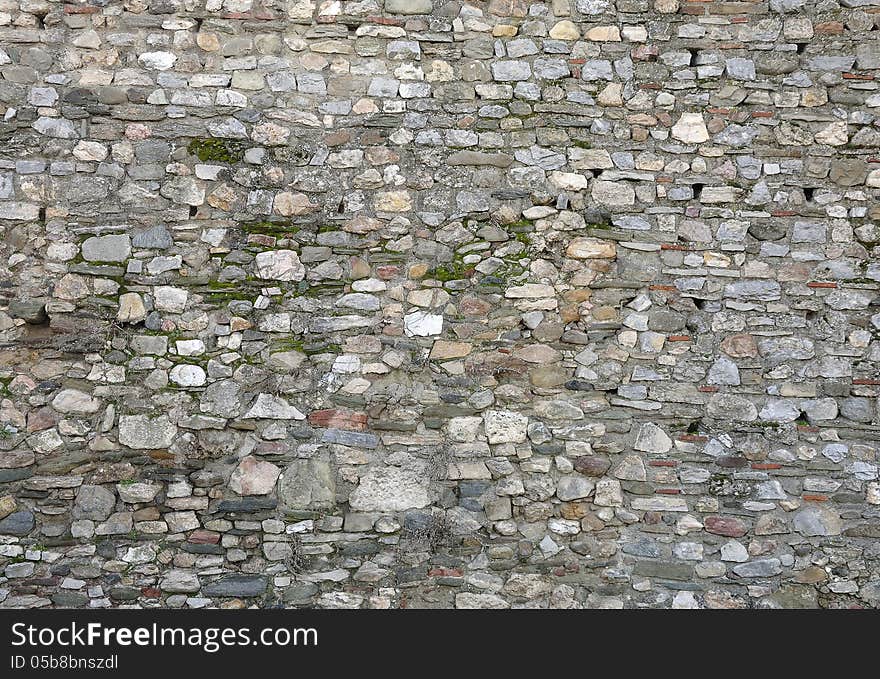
[(339, 418)]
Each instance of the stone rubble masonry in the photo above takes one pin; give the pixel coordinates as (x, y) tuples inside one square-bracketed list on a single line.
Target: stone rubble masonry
[(432, 303)]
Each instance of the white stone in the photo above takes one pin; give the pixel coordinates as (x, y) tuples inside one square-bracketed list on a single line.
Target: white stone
[(734, 551), (272, 407), (188, 375), (652, 439), (390, 489), (422, 324), (505, 426), (90, 150), (691, 129), (75, 402), (169, 299), (280, 265), (159, 61), (613, 193)]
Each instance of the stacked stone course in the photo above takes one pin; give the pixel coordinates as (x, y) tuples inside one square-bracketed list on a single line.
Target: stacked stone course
[(414, 303)]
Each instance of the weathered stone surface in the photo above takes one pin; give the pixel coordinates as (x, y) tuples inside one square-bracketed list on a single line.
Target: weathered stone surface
[(307, 484), (615, 194), (390, 489), (75, 402), (728, 526), (281, 265), (245, 586), (178, 581), (513, 304), (254, 477), (18, 523), (142, 432), (115, 248), (691, 129), (573, 488), (131, 308), (138, 492), (817, 520), (270, 407), (652, 439), (759, 568), (93, 502), (731, 407), (591, 248), (423, 324), (408, 6), (504, 426)]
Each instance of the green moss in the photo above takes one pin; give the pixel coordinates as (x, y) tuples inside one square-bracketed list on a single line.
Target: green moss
[(323, 289), (220, 292), (279, 229), (222, 285), (453, 271), (581, 144), (521, 226), (217, 150), (309, 349)]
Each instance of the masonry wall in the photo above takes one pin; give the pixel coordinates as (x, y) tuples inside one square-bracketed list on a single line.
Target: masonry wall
[(493, 304)]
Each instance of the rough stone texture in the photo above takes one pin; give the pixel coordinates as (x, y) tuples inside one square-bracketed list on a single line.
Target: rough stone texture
[(416, 303)]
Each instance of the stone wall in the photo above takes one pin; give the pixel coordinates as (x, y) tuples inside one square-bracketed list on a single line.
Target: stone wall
[(493, 304)]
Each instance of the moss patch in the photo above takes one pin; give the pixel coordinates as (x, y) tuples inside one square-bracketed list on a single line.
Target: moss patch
[(279, 229), (217, 150), (452, 271)]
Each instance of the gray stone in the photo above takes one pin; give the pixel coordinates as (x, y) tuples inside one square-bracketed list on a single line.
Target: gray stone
[(270, 407), (652, 439), (145, 433), (18, 523), (114, 248), (93, 502), (155, 238), (731, 407), (817, 520), (245, 586), (723, 371), (307, 484), (573, 487), (508, 71), (753, 290), (58, 128), (75, 402), (759, 568), (31, 311), (180, 581), (740, 69)]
